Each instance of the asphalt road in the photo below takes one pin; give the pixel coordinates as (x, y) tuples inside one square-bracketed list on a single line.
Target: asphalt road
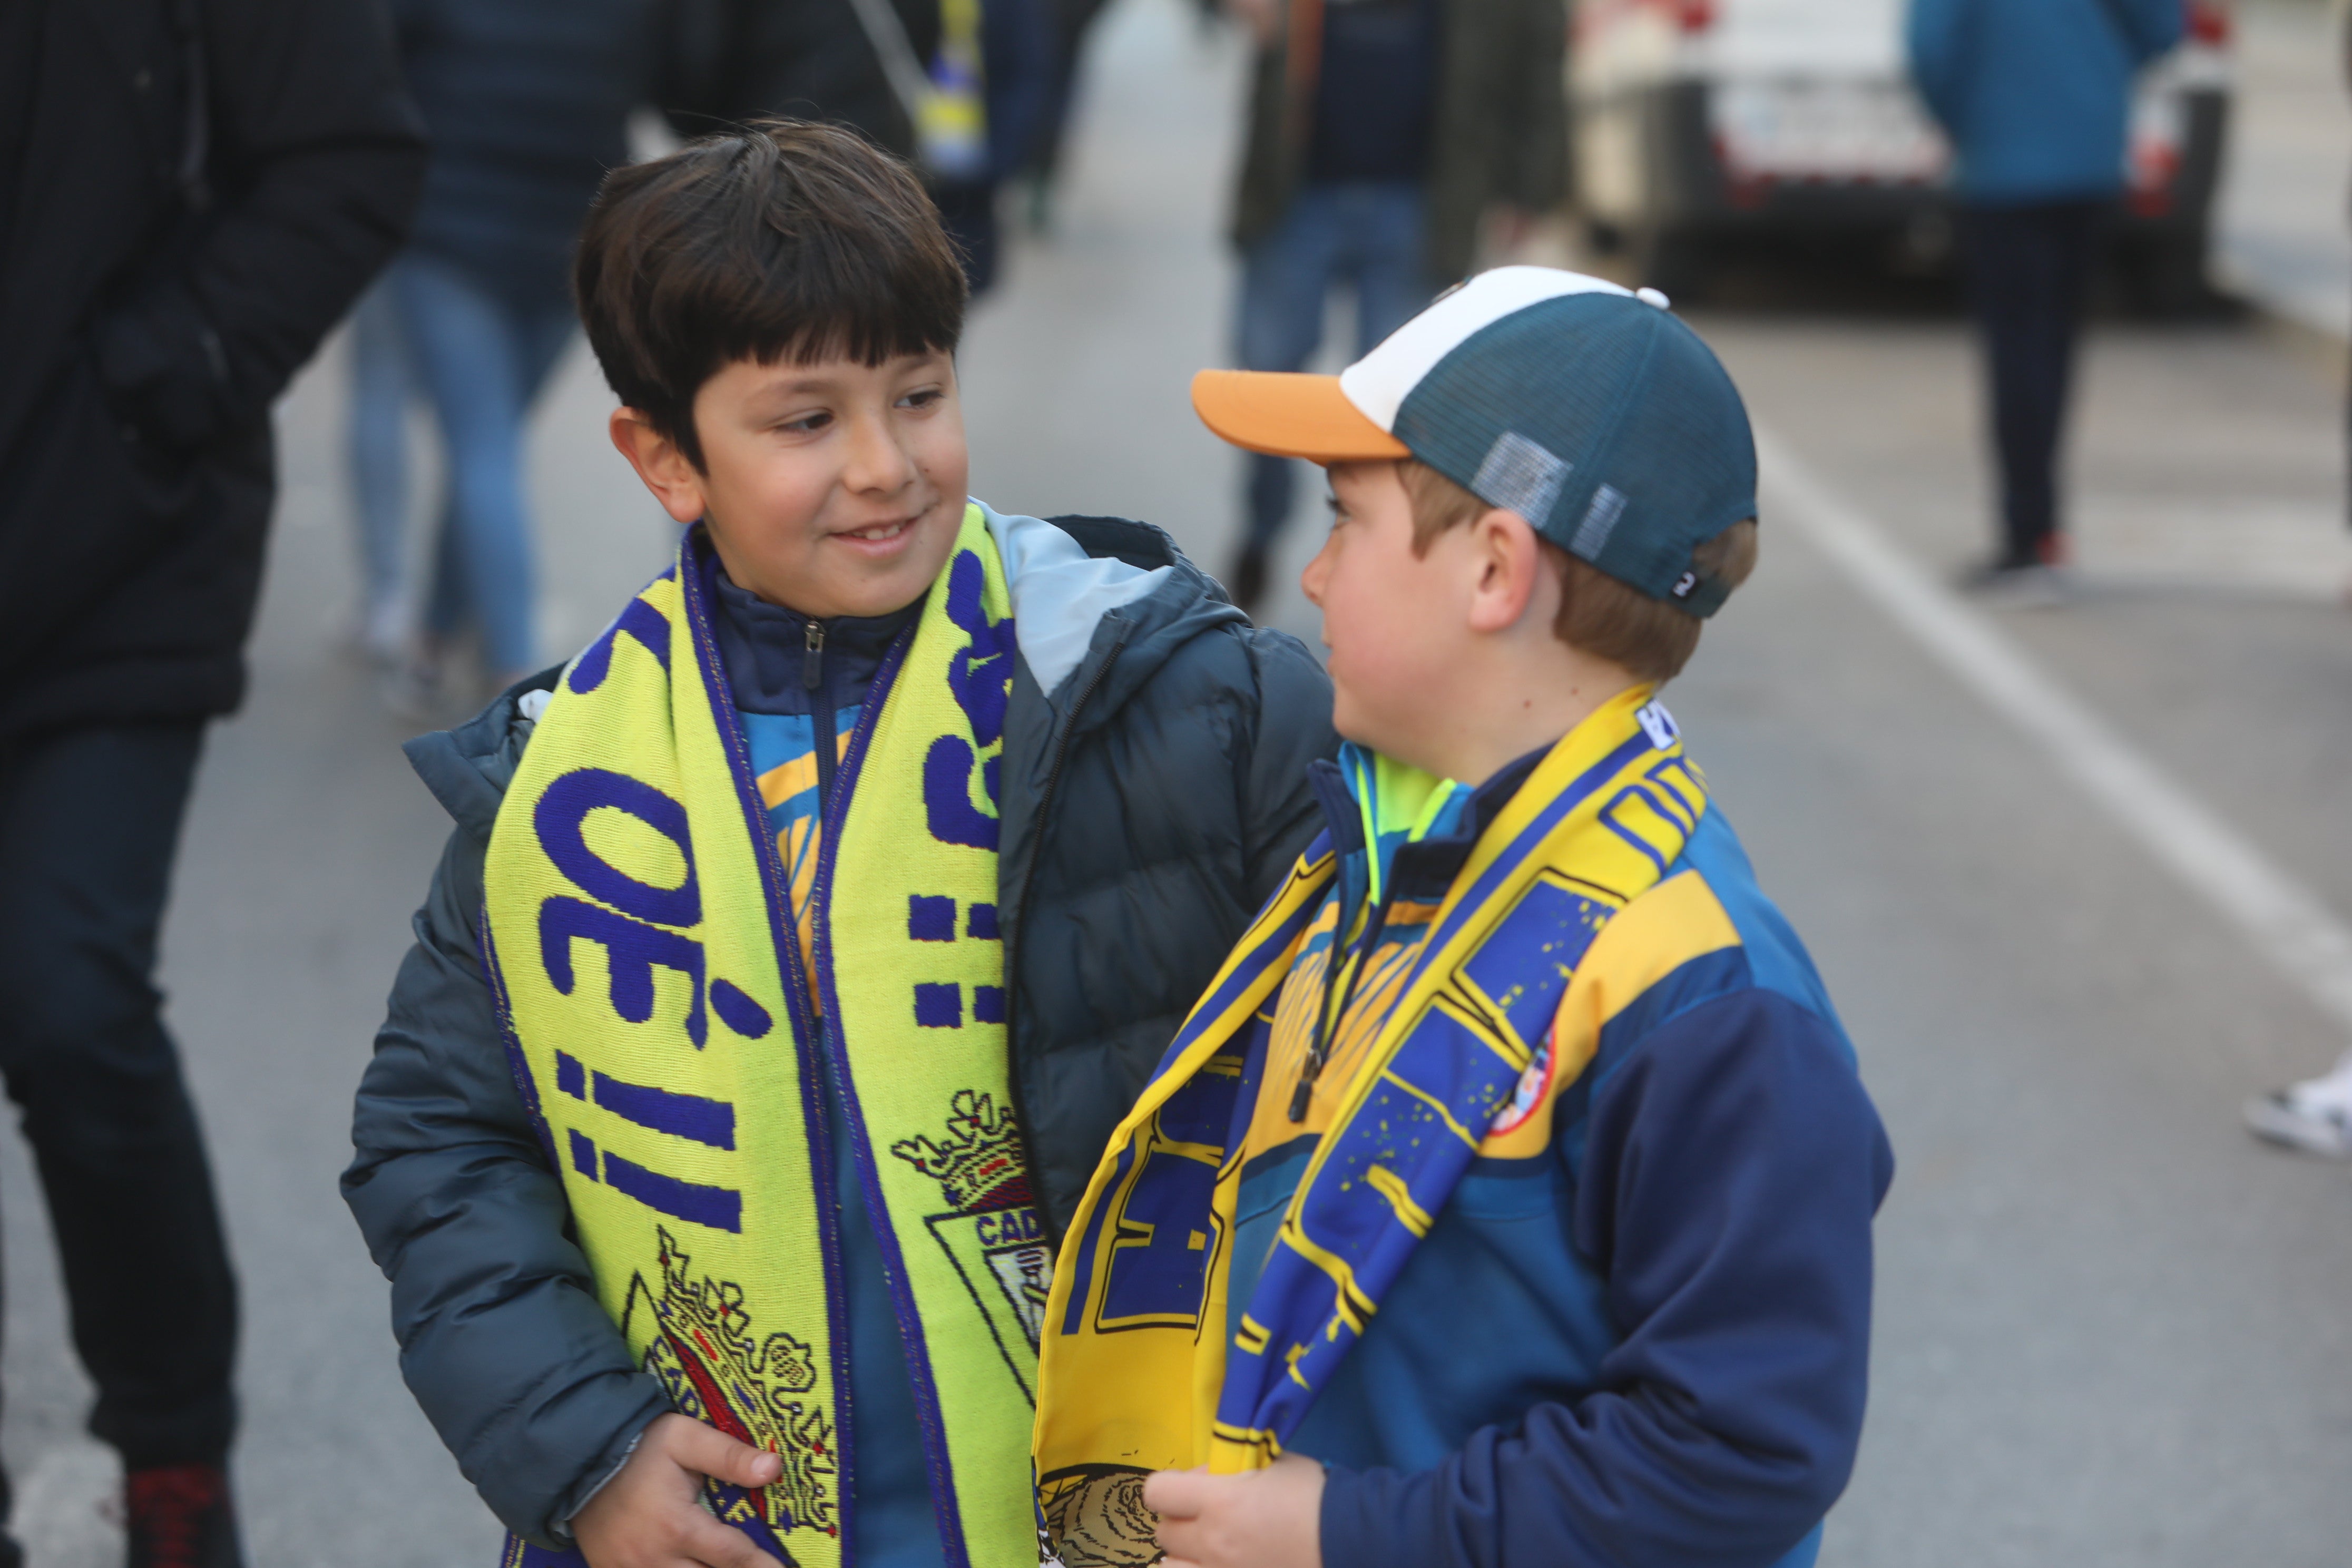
[(2111, 1329)]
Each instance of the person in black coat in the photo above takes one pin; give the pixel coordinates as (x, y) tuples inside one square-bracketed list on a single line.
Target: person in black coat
[(191, 191)]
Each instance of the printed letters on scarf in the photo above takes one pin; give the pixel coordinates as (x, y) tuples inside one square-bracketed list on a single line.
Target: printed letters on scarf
[(666, 1039)]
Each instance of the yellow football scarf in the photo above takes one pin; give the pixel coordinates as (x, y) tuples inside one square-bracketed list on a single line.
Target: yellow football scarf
[(664, 1034), (951, 123), (1135, 1370)]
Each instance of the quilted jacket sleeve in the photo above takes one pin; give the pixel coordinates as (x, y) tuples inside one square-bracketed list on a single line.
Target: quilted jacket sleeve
[(1278, 813), (502, 1338)]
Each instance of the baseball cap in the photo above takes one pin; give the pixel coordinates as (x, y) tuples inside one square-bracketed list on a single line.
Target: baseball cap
[(1590, 410)]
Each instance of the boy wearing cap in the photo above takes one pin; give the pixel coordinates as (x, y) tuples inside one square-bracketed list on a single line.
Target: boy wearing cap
[(1506, 1198)]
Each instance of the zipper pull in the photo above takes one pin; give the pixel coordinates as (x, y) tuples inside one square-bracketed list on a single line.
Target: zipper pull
[(813, 660)]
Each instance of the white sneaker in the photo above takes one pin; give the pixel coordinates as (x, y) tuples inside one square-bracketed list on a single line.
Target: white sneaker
[(2314, 1116), (380, 635)]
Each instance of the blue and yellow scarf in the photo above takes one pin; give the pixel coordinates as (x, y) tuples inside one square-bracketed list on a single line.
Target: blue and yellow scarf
[(666, 1035), (1441, 1051)]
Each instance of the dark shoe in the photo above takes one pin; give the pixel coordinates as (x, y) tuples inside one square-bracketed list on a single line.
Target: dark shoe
[(2018, 585), (1246, 582), (180, 1516)]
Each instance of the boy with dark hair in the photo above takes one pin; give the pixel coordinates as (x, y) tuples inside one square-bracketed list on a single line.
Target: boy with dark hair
[(1515, 1166), (802, 941)]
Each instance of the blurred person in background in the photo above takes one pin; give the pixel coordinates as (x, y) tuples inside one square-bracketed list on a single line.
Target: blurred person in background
[(978, 126), (1380, 133), (968, 120), (1072, 21), (191, 191), (727, 62), (377, 460), (527, 102), (2035, 96)]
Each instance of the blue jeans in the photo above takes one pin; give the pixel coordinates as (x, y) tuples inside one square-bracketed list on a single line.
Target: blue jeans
[(481, 357), (378, 452), (1369, 236)]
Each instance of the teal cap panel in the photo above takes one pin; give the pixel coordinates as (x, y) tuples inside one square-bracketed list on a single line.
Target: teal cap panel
[(1608, 425)]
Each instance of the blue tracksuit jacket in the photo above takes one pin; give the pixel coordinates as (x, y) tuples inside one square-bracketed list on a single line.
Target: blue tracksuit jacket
[(2035, 93), (1648, 1344)]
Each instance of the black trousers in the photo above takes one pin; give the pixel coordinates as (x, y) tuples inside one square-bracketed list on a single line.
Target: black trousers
[(2028, 268), (90, 822)]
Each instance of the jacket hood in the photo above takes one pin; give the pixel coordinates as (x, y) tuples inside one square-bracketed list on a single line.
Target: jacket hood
[(1094, 625), (468, 768)]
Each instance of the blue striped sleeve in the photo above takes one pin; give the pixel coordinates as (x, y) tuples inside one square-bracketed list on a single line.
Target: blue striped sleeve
[(1726, 1192)]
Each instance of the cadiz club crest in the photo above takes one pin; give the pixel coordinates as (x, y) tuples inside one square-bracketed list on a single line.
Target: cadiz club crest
[(1095, 1517), (989, 1231), (719, 1370)]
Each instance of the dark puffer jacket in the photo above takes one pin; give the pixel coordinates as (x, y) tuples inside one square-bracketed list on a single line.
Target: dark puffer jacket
[(199, 192), (1152, 799)]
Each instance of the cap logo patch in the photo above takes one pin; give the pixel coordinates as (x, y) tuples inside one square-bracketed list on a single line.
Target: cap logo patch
[(1685, 584), (1600, 522), (1521, 475)]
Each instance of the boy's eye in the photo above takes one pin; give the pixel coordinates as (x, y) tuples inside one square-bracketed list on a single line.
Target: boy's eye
[(803, 424), (923, 399)]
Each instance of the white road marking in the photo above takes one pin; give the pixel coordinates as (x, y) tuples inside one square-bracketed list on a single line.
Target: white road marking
[(2284, 921)]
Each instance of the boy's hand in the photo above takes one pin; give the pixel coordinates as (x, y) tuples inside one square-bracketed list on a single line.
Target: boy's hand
[(1269, 1519), (651, 1514)]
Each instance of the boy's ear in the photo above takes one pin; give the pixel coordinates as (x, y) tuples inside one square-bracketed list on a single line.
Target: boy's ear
[(674, 481), (1510, 570)]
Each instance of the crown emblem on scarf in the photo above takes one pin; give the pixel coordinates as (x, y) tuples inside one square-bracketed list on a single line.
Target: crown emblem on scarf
[(758, 1389), (977, 1164)]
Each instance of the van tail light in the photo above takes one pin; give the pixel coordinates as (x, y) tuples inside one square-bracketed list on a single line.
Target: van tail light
[(1693, 16), (2209, 24)]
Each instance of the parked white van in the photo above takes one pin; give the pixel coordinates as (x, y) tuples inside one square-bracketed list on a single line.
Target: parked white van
[(1696, 124)]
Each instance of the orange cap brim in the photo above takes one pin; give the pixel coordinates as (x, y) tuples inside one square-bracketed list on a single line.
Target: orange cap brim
[(1287, 416)]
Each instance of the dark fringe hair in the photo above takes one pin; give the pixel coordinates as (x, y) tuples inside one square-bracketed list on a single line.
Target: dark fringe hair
[(1598, 615), (784, 240)]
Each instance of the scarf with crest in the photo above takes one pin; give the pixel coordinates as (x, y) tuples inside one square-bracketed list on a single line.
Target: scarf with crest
[(668, 1040), (1431, 1043)]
